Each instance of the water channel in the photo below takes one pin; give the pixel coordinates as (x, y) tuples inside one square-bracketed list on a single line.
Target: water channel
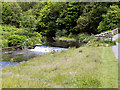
[(15, 57)]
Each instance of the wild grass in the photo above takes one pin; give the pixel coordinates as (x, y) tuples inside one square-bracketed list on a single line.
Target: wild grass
[(67, 38), (118, 40), (84, 67)]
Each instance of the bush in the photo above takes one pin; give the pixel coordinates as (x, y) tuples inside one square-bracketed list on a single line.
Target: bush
[(71, 35), (16, 40), (18, 36), (111, 43), (102, 43), (4, 43), (60, 33), (83, 37), (21, 32)]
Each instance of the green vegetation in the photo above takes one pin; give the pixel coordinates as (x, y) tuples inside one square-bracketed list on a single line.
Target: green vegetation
[(66, 38), (111, 18), (12, 36), (81, 37), (16, 40), (84, 67), (25, 24), (102, 43), (52, 19), (118, 40)]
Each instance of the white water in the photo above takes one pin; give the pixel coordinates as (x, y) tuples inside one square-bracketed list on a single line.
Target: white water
[(24, 55), (46, 49)]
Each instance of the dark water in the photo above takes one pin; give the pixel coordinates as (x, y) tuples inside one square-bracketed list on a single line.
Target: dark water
[(10, 57), (54, 42)]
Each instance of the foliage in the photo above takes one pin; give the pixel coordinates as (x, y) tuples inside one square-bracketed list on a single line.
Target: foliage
[(26, 5), (16, 40), (74, 10), (91, 16), (111, 19), (11, 13), (60, 33), (118, 40), (102, 43), (67, 38), (48, 16), (10, 31), (83, 37), (28, 22), (59, 19)]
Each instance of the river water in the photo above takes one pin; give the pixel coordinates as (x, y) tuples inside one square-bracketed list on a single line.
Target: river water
[(16, 57)]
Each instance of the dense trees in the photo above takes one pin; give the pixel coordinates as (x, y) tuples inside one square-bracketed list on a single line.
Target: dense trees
[(111, 19), (62, 18), (50, 18), (74, 10), (11, 13)]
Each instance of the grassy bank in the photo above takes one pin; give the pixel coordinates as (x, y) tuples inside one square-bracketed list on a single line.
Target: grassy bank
[(84, 67), (118, 40)]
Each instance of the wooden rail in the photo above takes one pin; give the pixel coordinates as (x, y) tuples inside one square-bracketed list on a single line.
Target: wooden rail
[(106, 35)]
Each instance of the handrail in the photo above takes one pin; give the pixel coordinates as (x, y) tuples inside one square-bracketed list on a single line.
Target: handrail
[(102, 36)]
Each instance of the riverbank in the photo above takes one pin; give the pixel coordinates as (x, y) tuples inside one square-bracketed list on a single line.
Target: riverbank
[(84, 67)]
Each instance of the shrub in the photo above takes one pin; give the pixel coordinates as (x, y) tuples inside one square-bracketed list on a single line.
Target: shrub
[(102, 43), (111, 43), (60, 33), (83, 37), (16, 40), (4, 43), (21, 32), (70, 35)]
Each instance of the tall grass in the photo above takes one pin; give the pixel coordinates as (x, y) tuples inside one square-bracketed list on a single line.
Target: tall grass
[(85, 67)]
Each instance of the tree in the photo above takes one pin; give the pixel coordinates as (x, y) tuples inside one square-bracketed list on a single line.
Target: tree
[(48, 19), (92, 16), (74, 10), (16, 40), (95, 16), (11, 13), (25, 6), (28, 22), (111, 19)]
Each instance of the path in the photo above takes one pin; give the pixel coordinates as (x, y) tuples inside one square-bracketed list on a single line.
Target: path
[(116, 48)]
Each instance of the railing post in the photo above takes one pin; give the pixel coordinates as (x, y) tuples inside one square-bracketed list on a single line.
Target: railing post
[(111, 38), (119, 29)]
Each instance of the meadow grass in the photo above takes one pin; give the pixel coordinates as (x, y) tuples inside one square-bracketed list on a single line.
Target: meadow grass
[(118, 40), (66, 38), (84, 67)]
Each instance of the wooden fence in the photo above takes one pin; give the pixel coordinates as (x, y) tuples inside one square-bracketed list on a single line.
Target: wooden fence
[(106, 35)]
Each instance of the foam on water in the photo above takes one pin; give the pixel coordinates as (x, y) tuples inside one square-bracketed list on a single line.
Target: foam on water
[(24, 55), (46, 49)]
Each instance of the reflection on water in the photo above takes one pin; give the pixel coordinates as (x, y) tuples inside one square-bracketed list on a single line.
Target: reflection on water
[(14, 57)]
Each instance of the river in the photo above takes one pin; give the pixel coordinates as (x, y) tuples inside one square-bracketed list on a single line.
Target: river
[(16, 57)]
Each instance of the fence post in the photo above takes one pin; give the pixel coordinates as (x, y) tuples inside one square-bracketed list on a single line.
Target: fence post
[(119, 29)]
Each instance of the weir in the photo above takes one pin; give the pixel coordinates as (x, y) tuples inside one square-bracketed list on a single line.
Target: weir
[(46, 49), (12, 58)]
